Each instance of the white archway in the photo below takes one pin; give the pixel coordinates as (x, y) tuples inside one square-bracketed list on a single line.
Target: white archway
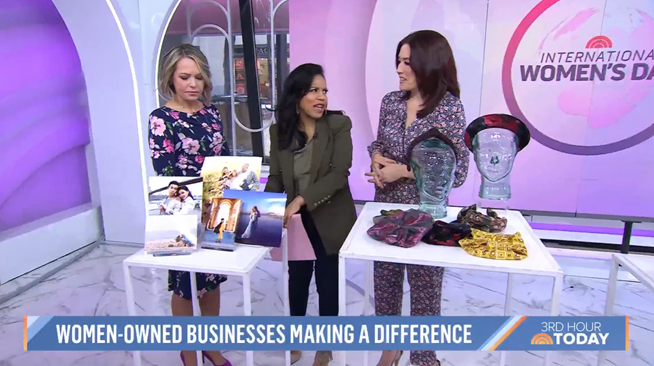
[(110, 70)]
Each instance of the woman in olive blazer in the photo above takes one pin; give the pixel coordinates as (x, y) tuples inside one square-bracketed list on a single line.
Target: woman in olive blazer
[(310, 160)]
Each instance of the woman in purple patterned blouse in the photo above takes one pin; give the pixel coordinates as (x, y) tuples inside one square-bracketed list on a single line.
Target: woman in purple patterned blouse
[(428, 98)]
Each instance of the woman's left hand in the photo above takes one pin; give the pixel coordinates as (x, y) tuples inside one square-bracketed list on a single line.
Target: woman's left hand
[(293, 208), (393, 172)]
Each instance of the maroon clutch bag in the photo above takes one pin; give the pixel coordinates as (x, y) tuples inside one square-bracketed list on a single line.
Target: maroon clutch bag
[(403, 229)]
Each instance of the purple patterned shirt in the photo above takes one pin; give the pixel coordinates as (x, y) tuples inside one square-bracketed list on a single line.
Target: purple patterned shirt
[(393, 140)]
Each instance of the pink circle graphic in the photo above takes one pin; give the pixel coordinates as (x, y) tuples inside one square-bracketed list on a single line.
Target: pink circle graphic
[(514, 108)]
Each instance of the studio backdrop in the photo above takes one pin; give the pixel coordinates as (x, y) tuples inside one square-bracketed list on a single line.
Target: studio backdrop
[(579, 72)]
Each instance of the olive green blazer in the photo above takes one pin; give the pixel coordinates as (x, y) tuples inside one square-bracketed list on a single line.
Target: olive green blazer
[(328, 197)]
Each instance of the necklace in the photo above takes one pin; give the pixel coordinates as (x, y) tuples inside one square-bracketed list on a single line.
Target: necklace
[(184, 109)]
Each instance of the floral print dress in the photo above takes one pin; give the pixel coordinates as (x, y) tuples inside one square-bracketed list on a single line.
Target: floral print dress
[(179, 142), (393, 140)]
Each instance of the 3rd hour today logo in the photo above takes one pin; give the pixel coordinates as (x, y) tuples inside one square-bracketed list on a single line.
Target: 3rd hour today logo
[(570, 333)]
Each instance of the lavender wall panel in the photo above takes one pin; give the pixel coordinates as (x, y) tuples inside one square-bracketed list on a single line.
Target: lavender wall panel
[(44, 125)]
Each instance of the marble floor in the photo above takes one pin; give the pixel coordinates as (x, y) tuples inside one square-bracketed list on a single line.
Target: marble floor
[(93, 285)]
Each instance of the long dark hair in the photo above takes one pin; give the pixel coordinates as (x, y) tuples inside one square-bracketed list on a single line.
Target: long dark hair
[(185, 188), (432, 61), (296, 86)]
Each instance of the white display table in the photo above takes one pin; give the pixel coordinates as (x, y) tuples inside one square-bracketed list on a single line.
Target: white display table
[(639, 266), (359, 245), (239, 263)]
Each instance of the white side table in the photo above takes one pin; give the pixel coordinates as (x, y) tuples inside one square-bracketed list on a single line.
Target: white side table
[(639, 266), (241, 262), (359, 245)]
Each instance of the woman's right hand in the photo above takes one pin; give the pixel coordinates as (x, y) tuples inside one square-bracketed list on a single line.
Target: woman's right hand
[(378, 162)]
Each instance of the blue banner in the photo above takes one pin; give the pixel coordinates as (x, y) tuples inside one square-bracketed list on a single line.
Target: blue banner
[(498, 333)]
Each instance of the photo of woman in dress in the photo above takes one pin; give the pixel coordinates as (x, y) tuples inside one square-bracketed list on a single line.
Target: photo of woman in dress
[(259, 219), (219, 230), (252, 225)]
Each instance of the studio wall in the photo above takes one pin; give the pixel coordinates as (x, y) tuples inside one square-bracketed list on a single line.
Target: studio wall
[(579, 72), (44, 124)]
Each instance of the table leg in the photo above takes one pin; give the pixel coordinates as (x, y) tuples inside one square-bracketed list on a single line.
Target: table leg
[(556, 296), (195, 302), (610, 293), (247, 311), (555, 310), (610, 300), (286, 295), (342, 303), (509, 296), (129, 290), (508, 300), (502, 358), (131, 304), (626, 237), (367, 290)]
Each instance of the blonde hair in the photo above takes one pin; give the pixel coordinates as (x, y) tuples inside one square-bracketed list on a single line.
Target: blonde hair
[(169, 65)]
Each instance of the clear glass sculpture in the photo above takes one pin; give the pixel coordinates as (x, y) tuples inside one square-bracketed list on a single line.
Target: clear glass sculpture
[(495, 150), (433, 163)]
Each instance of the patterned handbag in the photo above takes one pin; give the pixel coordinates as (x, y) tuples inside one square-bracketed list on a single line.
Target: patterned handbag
[(403, 229)]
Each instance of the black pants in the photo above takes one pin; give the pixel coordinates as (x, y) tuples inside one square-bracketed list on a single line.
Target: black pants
[(300, 273)]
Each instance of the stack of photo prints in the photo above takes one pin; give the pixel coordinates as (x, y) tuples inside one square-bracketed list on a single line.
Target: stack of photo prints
[(174, 207), (218, 210), (233, 209)]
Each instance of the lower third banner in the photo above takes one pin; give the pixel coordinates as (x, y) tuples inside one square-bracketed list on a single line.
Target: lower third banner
[(251, 333)]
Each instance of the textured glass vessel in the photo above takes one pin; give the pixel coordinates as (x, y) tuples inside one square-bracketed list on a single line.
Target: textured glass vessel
[(434, 164), (495, 150)]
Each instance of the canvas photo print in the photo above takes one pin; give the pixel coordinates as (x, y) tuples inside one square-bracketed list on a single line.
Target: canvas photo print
[(220, 230), (174, 196), (171, 234), (260, 217), (227, 172)]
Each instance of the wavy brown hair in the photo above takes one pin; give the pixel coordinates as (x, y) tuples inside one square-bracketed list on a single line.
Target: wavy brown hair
[(169, 65), (432, 61)]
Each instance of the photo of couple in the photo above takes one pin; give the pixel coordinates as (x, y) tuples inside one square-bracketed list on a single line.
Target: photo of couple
[(174, 196), (220, 173), (244, 179)]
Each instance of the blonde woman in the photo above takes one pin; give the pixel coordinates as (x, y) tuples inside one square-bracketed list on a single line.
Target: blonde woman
[(182, 133)]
